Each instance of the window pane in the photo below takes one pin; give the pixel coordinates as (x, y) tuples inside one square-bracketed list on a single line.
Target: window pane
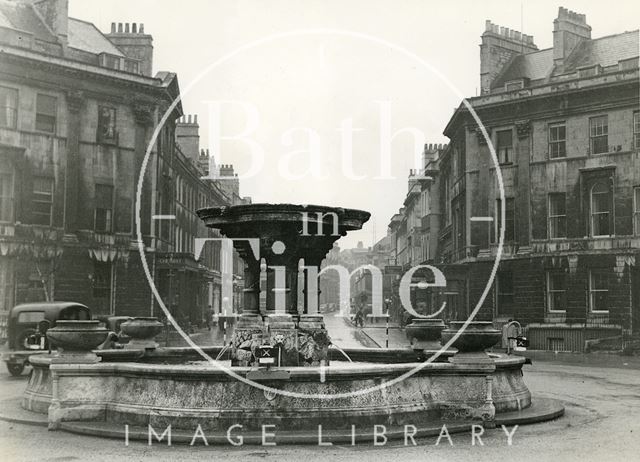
[(42, 185), (600, 301), (6, 197), (599, 280), (557, 281), (598, 130), (42, 201), (104, 196), (30, 316), (46, 105), (636, 214), (557, 204), (8, 107), (601, 202), (505, 292), (106, 124), (505, 138), (599, 126)]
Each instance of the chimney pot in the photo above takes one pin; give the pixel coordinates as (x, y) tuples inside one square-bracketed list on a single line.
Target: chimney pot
[(126, 28), (195, 119), (141, 30), (120, 28), (113, 27), (487, 25), (134, 28)]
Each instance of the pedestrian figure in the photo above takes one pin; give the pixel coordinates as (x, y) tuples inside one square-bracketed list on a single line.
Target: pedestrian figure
[(360, 317), (509, 335)]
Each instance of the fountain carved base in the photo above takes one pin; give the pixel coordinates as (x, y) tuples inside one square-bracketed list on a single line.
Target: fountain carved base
[(304, 344), (247, 338)]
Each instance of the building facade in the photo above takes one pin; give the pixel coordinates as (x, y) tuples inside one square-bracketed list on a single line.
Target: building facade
[(78, 109), (565, 126)]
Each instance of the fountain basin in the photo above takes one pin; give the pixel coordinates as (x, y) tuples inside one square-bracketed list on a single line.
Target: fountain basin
[(185, 396), (77, 336), (477, 337), (423, 331), (141, 332)]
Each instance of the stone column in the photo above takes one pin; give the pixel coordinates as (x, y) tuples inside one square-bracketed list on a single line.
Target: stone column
[(313, 338), (248, 335)]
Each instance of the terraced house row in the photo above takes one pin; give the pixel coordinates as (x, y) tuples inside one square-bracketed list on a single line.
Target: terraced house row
[(565, 126), (77, 110)]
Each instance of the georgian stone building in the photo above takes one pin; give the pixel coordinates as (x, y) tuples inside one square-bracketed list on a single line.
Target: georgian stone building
[(565, 125), (77, 112)]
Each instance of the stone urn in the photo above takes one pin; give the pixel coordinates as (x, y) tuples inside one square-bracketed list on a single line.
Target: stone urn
[(141, 332), (473, 341), (425, 333), (75, 340)]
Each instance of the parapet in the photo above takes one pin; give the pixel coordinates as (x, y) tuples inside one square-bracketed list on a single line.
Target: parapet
[(572, 16), (508, 34), (127, 28), (432, 147), (188, 119)]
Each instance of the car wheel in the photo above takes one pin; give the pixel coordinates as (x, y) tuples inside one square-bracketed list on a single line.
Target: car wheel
[(15, 369)]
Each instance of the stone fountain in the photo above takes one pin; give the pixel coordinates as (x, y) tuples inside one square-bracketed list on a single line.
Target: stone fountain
[(303, 396), (293, 239)]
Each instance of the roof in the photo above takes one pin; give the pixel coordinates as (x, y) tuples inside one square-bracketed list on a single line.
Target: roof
[(81, 35), (533, 66), (605, 51), (22, 17), (85, 36)]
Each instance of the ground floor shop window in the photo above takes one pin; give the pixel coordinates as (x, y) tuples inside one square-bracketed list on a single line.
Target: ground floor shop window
[(599, 291), (6, 284), (505, 292), (556, 292), (102, 287)]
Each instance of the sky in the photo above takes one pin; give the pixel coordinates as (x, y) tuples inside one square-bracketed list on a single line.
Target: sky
[(327, 102)]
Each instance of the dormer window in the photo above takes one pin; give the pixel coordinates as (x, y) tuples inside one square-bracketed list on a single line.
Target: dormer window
[(628, 64), (110, 61), (131, 66), (514, 85), (589, 71)]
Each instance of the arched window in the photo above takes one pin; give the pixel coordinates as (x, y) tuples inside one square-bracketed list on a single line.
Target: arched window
[(601, 209)]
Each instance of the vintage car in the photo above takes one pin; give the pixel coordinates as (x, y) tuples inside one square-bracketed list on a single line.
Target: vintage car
[(27, 326)]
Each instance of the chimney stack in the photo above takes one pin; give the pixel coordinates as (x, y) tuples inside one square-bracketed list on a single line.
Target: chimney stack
[(499, 45), (188, 137), (134, 43), (569, 29)]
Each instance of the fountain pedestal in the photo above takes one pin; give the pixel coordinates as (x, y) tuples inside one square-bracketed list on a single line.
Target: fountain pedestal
[(283, 334), (291, 239), (471, 344)]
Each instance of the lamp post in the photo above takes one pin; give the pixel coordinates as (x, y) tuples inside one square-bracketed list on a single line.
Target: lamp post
[(387, 301)]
